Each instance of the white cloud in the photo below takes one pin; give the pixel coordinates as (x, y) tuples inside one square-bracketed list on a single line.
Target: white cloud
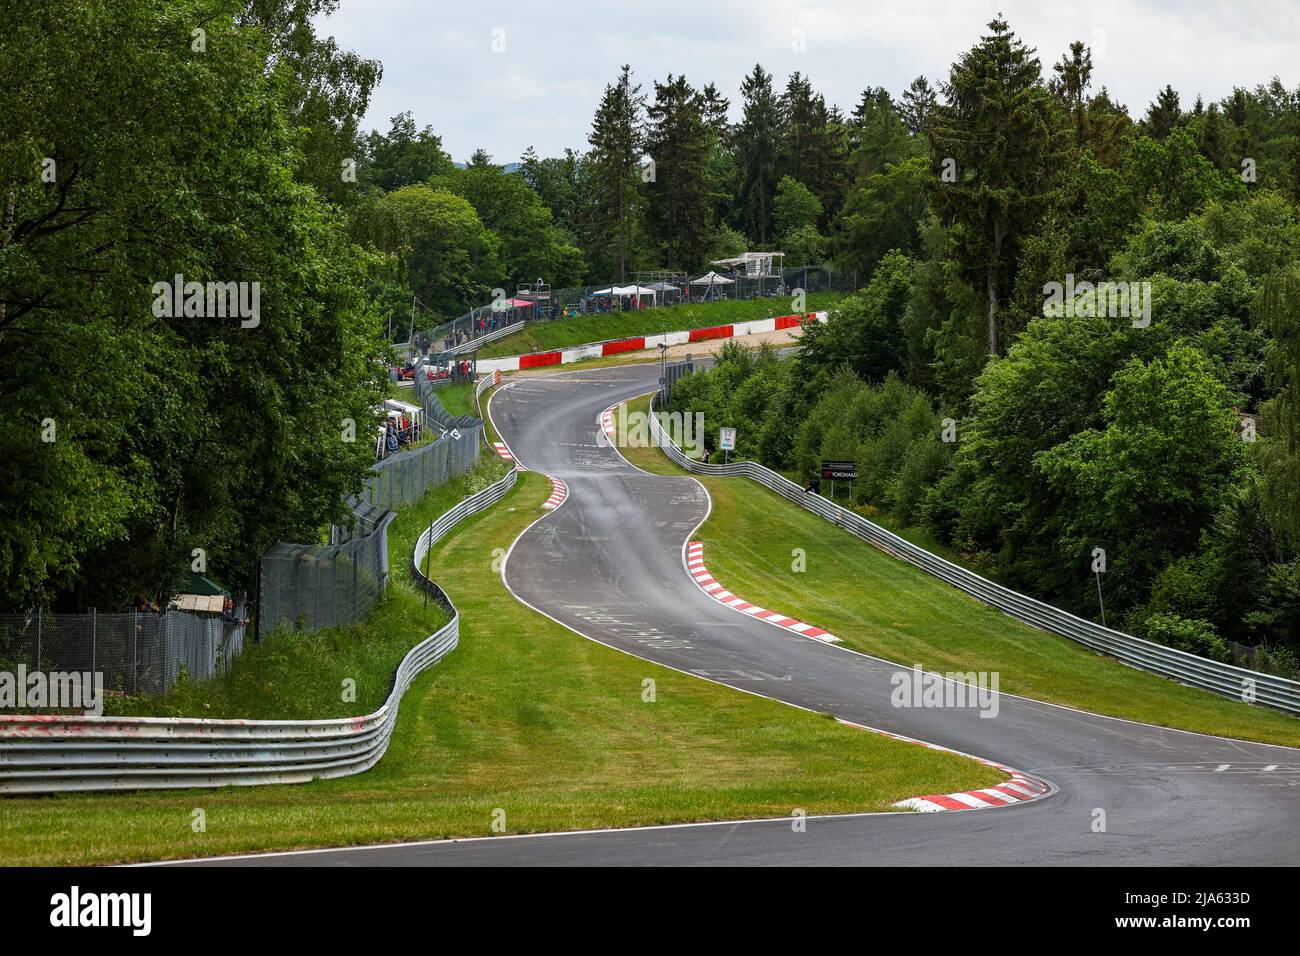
[(543, 88)]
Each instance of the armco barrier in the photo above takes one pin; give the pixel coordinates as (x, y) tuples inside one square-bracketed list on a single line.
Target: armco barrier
[(45, 754), (471, 344), (1226, 679)]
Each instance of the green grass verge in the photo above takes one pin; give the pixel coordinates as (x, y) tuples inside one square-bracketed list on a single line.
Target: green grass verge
[(524, 716), (564, 333), (887, 608), (457, 399)]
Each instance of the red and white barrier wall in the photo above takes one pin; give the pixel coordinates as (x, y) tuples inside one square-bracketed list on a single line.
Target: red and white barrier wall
[(600, 349)]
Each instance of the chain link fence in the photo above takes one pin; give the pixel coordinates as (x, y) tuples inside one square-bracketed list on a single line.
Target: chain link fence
[(310, 586), (139, 652)]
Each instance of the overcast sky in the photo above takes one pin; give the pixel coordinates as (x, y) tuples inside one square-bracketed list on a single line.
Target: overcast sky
[(554, 57)]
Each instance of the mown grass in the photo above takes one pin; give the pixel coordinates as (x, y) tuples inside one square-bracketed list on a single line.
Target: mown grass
[(524, 716), (882, 606), (564, 333)]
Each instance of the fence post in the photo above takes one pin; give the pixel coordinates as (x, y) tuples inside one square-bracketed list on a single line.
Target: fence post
[(93, 648), (135, 651), (39, 614)]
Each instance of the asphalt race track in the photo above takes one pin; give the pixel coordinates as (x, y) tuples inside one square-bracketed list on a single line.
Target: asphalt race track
[(608, 564)]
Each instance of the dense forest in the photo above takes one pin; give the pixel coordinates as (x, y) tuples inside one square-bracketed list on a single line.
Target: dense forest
[(222, 140), (999, 395)]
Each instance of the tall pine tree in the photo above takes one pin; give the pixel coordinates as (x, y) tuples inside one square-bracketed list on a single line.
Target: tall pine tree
[(612, 173), (1001, 134), (679, 141), (756, 140)]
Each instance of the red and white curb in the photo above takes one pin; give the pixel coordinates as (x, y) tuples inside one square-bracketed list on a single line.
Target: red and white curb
[(1021, 788), (504, 451), (599, 349), (559, 491), (707, 583), (607, 422)]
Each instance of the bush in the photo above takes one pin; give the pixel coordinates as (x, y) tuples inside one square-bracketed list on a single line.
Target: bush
[(1186, 634)]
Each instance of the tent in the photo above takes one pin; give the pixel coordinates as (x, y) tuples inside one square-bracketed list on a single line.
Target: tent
[(712, 278), (636, 290)]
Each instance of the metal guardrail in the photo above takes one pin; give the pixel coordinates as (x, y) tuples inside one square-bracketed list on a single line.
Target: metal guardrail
[(472, 344), (1228, 680), (484, 383), (55, 753)]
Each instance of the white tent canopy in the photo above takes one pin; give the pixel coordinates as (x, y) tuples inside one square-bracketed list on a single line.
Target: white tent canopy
[(712, 278), (637, 290)]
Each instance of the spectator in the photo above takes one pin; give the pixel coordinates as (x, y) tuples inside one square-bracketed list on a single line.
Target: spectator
[(228, 613), (142, 604), (390, 438), (814, 485)]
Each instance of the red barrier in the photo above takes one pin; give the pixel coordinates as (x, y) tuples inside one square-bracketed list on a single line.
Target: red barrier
[(625, 345), (717, 332), (538, 359), (788, 321)]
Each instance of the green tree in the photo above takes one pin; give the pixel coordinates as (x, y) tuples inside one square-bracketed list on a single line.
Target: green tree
[(1002, 131), (885, 213), (1071, 82), (755, 141), (1278, 450), (326, 90), (1163, 115), (529, 246), (613, 220), (451, 258), (403, 157), (918, 105), (1150, 481), (809, 151), (679, 140), (170, 431), (864, 332), (794, 206)]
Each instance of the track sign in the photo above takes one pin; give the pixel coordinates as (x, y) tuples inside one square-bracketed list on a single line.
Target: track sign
[(727, 439), (840, 470)]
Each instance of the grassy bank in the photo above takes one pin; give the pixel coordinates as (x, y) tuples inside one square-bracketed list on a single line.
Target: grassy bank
[(524, 716), (885, 607), (457, 399), (564, 333)]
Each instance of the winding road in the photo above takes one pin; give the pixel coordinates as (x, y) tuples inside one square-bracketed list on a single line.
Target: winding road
[(608, 564)]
